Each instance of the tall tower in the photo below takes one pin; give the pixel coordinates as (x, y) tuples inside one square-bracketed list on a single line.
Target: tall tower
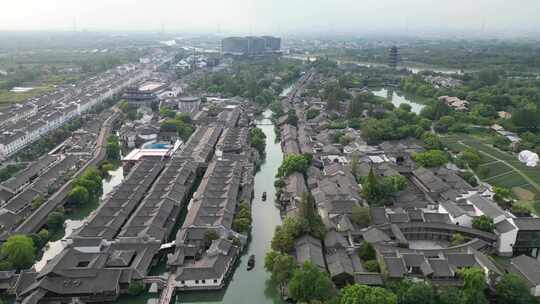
[(393, 57)]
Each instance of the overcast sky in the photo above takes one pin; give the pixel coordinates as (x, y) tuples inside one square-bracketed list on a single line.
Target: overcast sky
[(272, 16)]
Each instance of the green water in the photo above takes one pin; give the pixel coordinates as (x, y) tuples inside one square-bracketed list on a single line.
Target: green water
[(397, 99), (252, 286)]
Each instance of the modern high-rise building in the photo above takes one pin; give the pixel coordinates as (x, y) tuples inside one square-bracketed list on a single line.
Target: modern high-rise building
[(251, 45), (234, 45)]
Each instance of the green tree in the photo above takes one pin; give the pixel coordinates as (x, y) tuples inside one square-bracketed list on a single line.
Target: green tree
[(312, 113), (469, 177), (484, 223), (113, 148), (354, 165), (292, 119), (361, 216), (419, 293), (307, 209), (458, 239), (38, 201), (78, 196), (19, 250), (281, 266), (44, 235), (210, 235), (371, 188), (449, 295), (432, 141), (521, 209), (258, 140), (362, 294), (55, 221), (474, 283), (472, 157), (166, 112), (395, 183), (293, 163), (241, 225), (308, 283), (501, 194), (431, 158), (511, 289), (527, 117), (91, 180), (366, 251), (444, 124), (372, 266), (285, 234), (136, 288), (282, 240)]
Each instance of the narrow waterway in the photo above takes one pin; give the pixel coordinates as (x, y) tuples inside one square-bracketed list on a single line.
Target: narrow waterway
[(252, 286), (76, 219), (397, 99)]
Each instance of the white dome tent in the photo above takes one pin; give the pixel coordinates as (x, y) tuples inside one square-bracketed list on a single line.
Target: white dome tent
[(530, 159)]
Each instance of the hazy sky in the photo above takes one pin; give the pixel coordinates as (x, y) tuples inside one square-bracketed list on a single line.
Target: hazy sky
[(271, 16)]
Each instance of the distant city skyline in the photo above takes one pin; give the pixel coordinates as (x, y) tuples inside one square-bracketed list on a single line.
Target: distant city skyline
[(275, 16)]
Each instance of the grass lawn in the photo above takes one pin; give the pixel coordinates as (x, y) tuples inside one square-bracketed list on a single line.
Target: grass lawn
[(7, 97)]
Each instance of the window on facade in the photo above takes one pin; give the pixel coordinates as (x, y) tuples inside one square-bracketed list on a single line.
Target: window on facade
[(196, 281), (183, 282), (203, 281), (215, 281)]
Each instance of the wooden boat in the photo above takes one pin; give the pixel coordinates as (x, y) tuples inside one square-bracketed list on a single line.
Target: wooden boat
[(264, 196), (251, 262)]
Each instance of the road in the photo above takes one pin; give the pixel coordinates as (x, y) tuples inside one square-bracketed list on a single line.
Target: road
[(37, 219)]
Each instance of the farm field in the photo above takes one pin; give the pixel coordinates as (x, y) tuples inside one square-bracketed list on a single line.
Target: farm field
[(500, 168)]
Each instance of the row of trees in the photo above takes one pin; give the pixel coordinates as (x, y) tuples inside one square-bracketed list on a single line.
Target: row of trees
[(112, 149), (48, 142), (294, 163), (242, 220), (257, 139), (86, 188), (509, 290)]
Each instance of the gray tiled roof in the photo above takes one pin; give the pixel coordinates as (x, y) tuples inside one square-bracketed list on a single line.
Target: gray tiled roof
[(527, 223), (526, 267), (504, 226), (395, 266), (308, 248), (487, 206)]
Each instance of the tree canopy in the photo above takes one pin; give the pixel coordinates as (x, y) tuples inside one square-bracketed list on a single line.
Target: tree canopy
[(362, 294), (484, 223), (19, 250), (293, 163), (511, 289), (78, 196), (431, 158), (308, 283)]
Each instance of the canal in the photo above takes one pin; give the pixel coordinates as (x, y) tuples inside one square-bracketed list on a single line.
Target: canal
[(397, 99), (253, 286), (76, 218)]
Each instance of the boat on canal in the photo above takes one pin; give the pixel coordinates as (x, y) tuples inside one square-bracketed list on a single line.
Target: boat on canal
[(251, 262)]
